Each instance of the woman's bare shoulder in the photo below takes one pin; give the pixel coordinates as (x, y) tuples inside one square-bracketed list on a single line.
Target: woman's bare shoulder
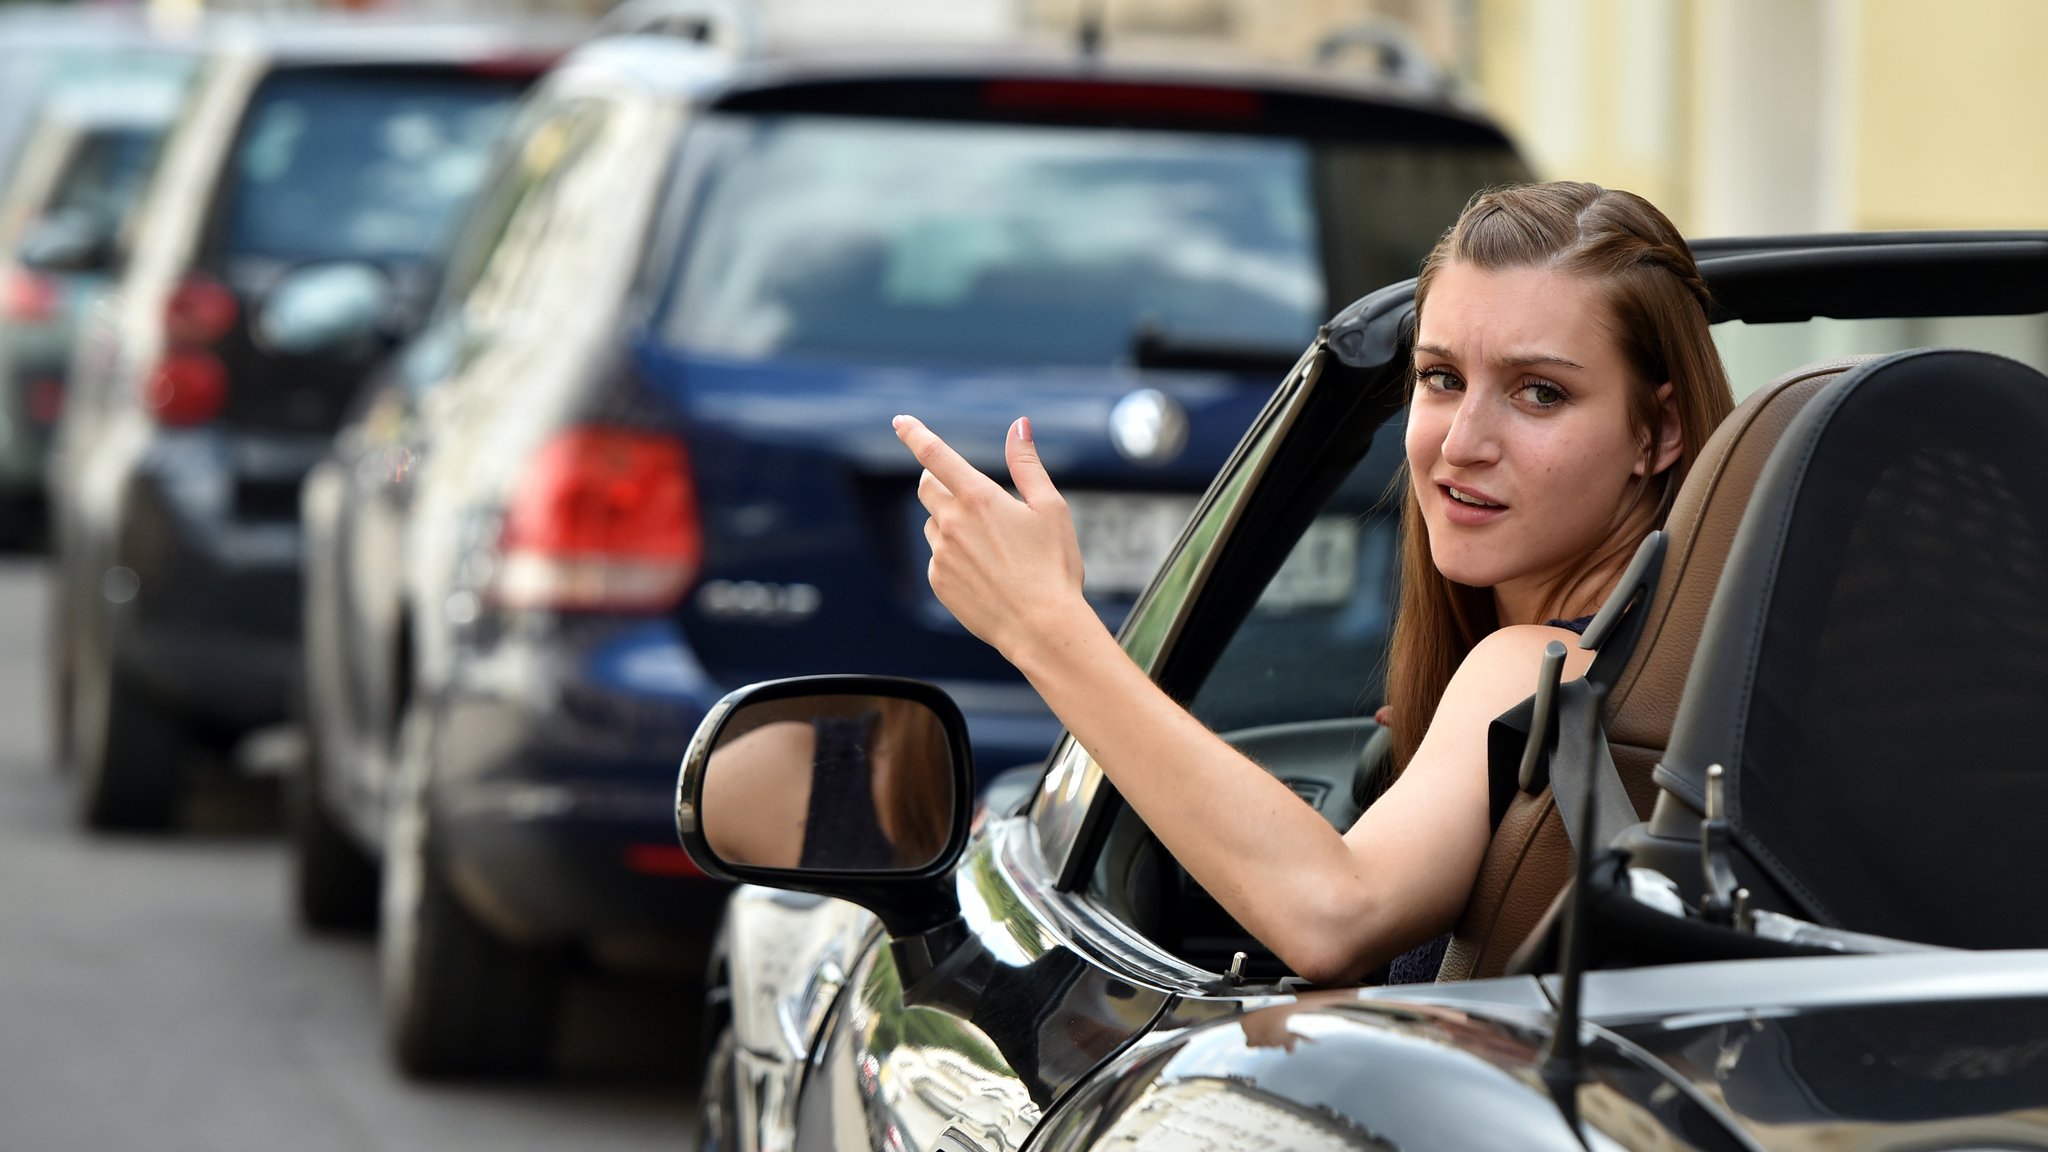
[(1501, 669), (778, 744)]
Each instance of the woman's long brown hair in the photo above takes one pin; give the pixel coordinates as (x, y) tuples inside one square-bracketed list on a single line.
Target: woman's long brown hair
[(1660, 309)]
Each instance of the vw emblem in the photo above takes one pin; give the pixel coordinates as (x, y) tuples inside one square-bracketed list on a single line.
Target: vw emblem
[(1148, 427)]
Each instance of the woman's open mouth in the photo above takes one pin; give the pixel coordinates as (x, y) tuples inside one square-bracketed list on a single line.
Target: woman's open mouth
[(1468, 507)]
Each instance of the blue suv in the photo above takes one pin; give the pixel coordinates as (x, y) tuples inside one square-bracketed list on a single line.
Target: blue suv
[(640, 454)]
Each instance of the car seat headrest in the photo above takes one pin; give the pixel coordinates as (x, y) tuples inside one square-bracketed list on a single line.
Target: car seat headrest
[(1701, 528), (1871, 672)]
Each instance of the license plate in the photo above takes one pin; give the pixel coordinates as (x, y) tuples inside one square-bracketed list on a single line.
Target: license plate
[(1321, 570), (1124, 537)]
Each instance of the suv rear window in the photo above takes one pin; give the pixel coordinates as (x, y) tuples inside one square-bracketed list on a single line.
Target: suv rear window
[(100, 180), (355, 165), (871, 238), (32, 71)]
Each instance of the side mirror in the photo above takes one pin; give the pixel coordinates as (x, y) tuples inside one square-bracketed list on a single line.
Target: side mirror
[(857, 787), (66, 241), (325, 308)]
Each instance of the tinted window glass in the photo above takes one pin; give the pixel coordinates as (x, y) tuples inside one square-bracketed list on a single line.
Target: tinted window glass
[(566, 222), (491, 251), (848, 237), (338, 166), (30, 71), (101, 179), (1314, 646)]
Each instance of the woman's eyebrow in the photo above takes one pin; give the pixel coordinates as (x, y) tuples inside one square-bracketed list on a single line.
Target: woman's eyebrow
[(1510, 360), (1525, 359)]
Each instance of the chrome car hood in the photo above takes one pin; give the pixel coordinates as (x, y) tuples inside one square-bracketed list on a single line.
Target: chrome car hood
[(1932, 1050), (1929, 1050), (1339, 1071)]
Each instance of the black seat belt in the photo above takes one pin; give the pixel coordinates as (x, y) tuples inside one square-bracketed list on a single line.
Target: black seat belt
[(1576, 767)]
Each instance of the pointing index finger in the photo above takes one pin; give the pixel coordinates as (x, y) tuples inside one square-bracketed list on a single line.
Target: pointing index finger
[(937, 456)]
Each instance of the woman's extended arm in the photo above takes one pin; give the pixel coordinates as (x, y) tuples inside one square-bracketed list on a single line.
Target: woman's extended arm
[(1331, 906)]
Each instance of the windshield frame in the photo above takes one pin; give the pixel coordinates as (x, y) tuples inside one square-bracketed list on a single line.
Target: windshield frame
[(1316, 427)]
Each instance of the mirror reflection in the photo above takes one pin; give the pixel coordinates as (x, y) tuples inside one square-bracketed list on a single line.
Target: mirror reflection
[(830, 783)]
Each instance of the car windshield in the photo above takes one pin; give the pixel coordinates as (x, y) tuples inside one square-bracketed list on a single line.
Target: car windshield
[(1314, 646), (334, 165), (904, 240)]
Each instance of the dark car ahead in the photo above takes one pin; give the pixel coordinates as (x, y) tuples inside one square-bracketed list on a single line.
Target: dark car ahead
[(50, 49), (60, 212), (284, 238), (641, 453), (1825, 933)]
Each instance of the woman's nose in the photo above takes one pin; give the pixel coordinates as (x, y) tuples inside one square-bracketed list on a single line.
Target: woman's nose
[(1471, 439)]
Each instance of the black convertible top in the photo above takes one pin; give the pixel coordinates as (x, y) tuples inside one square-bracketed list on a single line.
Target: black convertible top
[(1781, 279)]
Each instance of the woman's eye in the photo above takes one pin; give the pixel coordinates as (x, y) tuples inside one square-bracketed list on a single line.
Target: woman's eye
[(1542, 395), (1438, 380)]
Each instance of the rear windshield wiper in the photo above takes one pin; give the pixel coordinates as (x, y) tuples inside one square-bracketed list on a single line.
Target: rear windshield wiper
[(1153, 348)]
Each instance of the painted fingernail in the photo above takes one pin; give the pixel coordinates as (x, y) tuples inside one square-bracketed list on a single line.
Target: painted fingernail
[(896, 422), (1023, 428)]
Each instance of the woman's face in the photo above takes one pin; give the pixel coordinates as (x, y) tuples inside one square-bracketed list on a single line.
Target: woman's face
[(1519, 439)]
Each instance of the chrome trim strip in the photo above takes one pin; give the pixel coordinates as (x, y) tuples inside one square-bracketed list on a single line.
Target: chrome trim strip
[(1795, 984)]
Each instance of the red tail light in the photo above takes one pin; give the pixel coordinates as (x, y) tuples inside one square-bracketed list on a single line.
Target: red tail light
[(606, 518), (513, 67), (29, 298), (201, 310), (190, 384), (661, 860), (45, 400), (188, 387)]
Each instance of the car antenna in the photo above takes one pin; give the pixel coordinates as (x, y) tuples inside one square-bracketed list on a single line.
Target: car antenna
[(1088, 33), (1563, 1057)]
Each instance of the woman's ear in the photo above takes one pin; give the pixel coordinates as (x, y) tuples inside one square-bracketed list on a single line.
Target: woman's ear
[(1668, 436)]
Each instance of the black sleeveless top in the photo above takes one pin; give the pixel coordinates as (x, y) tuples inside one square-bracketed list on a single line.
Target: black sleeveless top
[(841, 827), (1419, 964)]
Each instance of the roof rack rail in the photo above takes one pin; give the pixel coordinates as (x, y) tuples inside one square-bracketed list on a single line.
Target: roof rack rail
[(1392, 49), (732, 27)]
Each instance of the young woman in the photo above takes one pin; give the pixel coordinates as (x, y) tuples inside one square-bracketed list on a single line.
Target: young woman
[(1564, 379)]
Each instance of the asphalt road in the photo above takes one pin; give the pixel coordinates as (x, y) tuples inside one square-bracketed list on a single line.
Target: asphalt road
[(155, 995)]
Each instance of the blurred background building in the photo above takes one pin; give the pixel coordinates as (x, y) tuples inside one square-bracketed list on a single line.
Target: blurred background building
[(1735, 115)]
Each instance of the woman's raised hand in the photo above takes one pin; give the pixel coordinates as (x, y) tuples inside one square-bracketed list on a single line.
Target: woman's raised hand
[(1008, 567)]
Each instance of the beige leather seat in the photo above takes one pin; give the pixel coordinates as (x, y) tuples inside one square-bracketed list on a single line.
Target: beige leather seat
[(1530, 859)]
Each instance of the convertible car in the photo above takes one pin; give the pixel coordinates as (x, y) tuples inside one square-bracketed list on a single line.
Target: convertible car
[(1806, 910)]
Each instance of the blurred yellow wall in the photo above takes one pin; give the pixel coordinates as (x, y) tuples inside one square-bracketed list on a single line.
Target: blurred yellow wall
[(1769, 115), (1593, 89), (1735, 116), (1953, 96)]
